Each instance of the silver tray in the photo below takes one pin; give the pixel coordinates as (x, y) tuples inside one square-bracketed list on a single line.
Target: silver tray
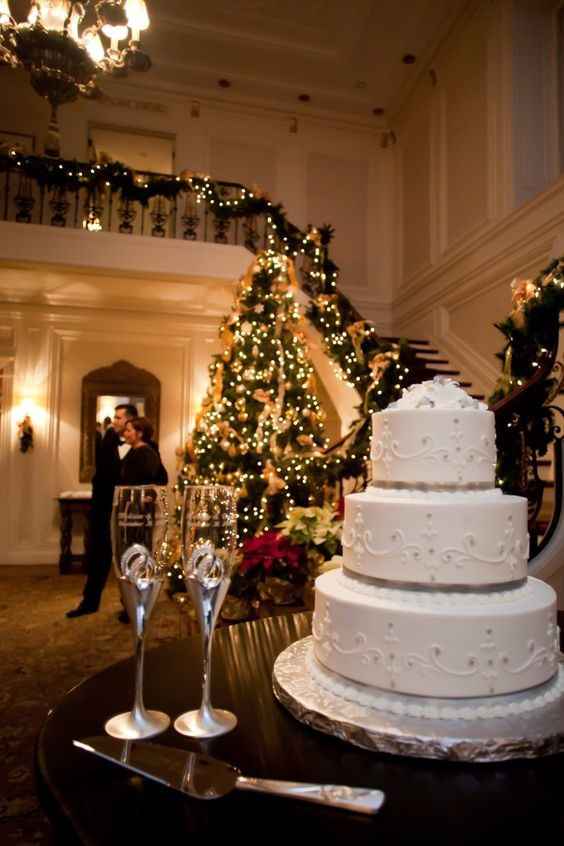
[(532, 734)]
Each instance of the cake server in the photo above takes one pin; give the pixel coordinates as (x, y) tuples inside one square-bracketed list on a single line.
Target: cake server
[(203, 777)]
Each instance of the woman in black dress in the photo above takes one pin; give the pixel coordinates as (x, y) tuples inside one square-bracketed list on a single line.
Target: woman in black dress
[(142, 465)]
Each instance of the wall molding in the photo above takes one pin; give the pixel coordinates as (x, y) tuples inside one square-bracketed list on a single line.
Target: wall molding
[(522, 238)]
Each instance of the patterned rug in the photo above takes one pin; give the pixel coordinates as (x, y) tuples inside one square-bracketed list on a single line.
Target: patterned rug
[(42, 655)]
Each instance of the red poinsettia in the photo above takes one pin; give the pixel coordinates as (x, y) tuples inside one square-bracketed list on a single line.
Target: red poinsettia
[(267, 550)]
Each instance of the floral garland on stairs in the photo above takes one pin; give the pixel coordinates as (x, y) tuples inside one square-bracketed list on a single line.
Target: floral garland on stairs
[(531, 332)]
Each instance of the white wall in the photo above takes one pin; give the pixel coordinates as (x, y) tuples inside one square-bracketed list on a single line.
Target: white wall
[(54, 349), (479, 196)]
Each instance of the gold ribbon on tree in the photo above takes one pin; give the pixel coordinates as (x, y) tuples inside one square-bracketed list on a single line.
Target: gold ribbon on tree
[(218, 383), (357, 331)]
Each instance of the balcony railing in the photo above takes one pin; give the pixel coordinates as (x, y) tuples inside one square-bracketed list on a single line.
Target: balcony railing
[(76, 196)]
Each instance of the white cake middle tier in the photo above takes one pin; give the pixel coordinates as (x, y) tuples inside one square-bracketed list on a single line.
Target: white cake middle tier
[(436, 644), (471, 539)]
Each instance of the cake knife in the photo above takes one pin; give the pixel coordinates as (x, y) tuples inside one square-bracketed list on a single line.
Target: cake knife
[(203, 777)]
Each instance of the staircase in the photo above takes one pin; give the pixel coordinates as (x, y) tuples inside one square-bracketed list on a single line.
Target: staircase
[(430, 363)]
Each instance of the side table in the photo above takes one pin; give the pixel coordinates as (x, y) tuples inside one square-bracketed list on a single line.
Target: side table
[(71, 506)]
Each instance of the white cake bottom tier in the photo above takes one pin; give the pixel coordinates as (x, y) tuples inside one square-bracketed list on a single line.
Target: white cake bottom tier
[(468, 539), (436, 644)]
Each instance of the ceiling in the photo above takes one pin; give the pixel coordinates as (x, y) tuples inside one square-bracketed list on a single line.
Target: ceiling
[(347, 56)]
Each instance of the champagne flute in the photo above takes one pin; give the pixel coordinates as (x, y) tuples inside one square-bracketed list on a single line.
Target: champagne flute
[(209, 537), (140, 520)]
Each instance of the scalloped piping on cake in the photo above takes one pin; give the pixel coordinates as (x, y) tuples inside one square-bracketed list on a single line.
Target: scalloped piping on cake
[(463, 710)]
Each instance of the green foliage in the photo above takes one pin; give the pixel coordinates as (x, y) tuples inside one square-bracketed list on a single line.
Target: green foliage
[(531, 333)]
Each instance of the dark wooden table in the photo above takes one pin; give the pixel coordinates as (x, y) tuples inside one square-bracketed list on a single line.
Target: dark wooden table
[(71, 508), (92, 802)]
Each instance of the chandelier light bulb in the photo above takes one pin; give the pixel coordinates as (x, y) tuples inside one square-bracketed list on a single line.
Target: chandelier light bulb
[(115, 33), (5, 14), (94, 46), (137, 17), (76, 17), (53, 14)]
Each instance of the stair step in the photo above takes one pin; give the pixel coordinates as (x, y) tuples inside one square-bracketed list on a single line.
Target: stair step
[(480, 397), (433, 360), (395, 339)]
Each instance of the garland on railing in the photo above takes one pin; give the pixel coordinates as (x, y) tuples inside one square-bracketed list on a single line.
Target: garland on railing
[(531, 330)]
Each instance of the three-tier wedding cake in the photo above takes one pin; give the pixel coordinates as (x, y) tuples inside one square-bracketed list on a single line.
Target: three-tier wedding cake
[(433, 599)]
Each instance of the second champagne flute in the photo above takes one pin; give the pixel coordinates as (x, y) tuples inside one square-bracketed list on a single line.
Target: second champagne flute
[(209, 537)]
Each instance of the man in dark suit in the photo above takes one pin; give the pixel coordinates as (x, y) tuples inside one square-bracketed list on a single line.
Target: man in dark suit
[(106, 477)]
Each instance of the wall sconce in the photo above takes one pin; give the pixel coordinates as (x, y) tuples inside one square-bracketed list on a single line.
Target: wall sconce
[(25, 434), (388, 139)]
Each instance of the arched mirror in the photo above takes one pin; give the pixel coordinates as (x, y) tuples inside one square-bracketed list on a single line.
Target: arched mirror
[(102, 390)]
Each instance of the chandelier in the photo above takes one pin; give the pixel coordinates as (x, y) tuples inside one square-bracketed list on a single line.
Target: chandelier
[(65, 45)]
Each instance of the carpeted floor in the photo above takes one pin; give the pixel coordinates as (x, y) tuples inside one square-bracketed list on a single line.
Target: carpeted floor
[(42, 655)]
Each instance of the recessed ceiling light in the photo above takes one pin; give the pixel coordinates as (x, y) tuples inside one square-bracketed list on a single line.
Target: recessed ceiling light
[(378, 111), (224, 83), (409, 59), (305, 98)]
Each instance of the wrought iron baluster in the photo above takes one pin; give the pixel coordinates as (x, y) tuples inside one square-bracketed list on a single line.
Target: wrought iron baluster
[(142, 218), (76, 198), (251, 233), (59, 206), (206, 215), (126, 214), (159, 216), (190, 218), (110, 209), (221, 230), (24, 200)]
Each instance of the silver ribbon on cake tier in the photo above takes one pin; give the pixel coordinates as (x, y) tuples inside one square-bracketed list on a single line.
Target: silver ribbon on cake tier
[(435, 587), (432, 487)]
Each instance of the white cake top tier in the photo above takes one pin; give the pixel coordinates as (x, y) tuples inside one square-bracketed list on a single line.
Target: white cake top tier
[(434, 435)]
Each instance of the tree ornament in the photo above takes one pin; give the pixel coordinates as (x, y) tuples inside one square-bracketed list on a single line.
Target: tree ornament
[(306, 412), (232, 451), (240, 389), (249, 374), (246, 328), (260, 395), (243, 416), (305, 440), (224, 444), (275, 484), (255, 351)]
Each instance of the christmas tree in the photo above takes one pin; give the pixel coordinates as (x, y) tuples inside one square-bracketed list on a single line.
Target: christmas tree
[(260, 427)]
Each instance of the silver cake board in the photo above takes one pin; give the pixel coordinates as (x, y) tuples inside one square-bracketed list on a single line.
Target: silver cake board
[(532, 734)]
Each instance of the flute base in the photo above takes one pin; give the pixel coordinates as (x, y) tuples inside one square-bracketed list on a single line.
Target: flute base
[(211, 723), (129, 727)]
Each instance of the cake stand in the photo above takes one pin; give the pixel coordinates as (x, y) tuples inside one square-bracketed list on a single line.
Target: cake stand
[(532, 733)]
